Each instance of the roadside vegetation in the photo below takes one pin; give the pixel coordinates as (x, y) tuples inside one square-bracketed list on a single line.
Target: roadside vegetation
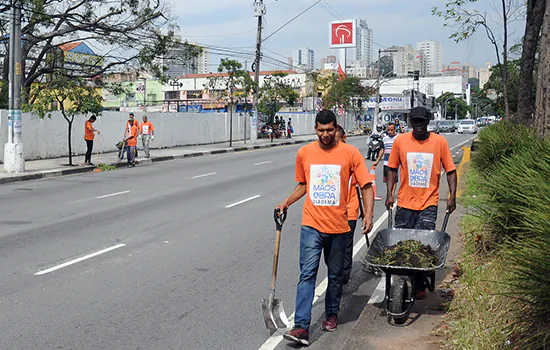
[(503, 297)]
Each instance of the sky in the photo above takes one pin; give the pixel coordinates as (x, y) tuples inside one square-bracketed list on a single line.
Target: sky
[(232, 25)]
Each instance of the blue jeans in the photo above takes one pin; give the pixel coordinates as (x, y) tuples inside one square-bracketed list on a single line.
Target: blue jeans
[(312, 243)]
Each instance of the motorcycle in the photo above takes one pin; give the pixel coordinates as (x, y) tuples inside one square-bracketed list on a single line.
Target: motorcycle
[(375, 145)]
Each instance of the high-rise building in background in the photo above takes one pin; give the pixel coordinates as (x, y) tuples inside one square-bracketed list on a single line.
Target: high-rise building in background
[(290, 62), (328, 60), (179, 64), (364, 43), (484, 74), (406, 59), (433, 57), (303, 59)]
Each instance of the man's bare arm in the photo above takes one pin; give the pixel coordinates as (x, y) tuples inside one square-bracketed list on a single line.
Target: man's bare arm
[(368, 204), (299, 192), (452, 181), (391, 179)]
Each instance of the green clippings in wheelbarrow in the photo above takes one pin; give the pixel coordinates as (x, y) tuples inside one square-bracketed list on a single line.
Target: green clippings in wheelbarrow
[(408, 253)]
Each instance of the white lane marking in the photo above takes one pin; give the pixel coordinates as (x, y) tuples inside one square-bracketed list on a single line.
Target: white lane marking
[(273, 341), (243, 201), (379, 293), (72, 262), (262, 163), (113, 194), (203, 175), (462, 143)]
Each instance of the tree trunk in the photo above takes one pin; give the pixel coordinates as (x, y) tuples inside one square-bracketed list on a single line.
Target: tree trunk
[(542, 120), (526, 93), (70, 129), (505, 60)]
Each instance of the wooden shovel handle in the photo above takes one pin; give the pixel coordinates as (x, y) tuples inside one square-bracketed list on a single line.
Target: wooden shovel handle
[(275, 259)]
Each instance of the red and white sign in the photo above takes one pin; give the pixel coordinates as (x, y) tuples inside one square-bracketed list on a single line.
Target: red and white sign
[(343, 33)]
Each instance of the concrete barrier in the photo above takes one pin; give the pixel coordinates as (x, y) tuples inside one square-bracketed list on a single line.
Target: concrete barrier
[(47, 138)]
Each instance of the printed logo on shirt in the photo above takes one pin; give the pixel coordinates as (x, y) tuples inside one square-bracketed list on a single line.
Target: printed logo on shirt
[(324, 185), (145, 129), (420, 169)]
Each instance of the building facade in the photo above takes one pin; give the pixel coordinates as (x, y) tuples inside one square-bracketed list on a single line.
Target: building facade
[(365, 46), (407, 59), (178, 63), (303, 59), (484, 74), (433, 57)]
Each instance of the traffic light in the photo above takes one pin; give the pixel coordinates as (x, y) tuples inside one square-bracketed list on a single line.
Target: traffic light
[(416, 75), (359, 103)]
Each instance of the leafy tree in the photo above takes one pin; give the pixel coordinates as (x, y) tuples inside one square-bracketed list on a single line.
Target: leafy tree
[(274, 93), (226, 86), (72, 96), (134, 33), (342, 93), (496, 83), (453, 106), (468, 21), (481, 104)]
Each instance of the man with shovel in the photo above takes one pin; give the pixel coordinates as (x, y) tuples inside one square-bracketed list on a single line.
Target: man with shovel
[(323, 172)]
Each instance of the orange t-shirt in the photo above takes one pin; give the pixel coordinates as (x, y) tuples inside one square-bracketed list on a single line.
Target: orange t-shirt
[(146, 128), (353, 200), (132, 131), (327, 175), (88, 133), (420, 163)]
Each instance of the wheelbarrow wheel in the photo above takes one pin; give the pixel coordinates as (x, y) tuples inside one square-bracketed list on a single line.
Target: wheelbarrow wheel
[(399, 295)]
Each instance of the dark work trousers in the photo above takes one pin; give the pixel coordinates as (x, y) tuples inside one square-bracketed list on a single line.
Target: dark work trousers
[(348, 262), (89, 149)]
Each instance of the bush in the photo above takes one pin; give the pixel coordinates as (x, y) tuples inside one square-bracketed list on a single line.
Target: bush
[(510, 182), (530, 279), (499, 141)]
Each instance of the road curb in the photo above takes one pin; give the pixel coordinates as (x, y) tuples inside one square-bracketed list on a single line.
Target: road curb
[(81, 170)]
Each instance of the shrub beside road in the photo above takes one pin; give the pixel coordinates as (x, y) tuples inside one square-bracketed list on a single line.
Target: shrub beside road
[(503, 294)]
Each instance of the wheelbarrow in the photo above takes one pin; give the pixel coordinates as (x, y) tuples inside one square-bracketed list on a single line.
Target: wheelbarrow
[(399, 298)]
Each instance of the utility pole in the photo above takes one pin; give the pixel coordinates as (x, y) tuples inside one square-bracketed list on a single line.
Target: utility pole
[(14, 162), (377, 105), (259, 11)]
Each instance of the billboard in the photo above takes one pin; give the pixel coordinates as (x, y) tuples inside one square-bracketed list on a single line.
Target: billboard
[(343, 34)]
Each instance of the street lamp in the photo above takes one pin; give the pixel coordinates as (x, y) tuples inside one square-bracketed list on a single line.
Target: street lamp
[(377, 105)]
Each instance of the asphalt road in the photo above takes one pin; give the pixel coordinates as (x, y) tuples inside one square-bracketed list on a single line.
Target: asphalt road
[(175, 255)]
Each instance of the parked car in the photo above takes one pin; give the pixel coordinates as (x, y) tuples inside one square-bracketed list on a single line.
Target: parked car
[(467, 126), (447, 126), (433, 126)]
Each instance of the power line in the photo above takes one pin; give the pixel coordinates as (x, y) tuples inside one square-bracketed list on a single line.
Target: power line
[(287, 23)]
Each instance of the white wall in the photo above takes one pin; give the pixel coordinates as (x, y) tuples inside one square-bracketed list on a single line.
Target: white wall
[(47, 138)]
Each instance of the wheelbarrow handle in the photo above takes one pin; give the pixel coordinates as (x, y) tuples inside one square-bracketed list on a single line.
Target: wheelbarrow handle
[(390, 218), (279, 218), (445, 221)]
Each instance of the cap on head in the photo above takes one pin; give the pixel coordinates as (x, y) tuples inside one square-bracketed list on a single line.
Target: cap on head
[(131, 115), (420, 112)]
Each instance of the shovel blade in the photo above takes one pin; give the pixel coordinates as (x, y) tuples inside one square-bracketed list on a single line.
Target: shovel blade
[(274, 314)]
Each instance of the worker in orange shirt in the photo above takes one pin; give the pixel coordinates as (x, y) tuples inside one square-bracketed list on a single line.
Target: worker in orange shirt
[(323, 171), (353, 212), (132, 121), (419, 156), (89, 138), (131, 141), (147, 132)]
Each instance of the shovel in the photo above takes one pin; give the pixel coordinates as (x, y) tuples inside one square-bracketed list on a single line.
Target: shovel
[(274, 313)]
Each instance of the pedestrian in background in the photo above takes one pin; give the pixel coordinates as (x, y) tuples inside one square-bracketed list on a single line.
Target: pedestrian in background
[(289, 128), (147, 132), (132, 121), (131, 141), (89, 138)]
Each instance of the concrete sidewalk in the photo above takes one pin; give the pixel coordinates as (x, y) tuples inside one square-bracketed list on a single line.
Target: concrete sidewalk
[(44, 168)]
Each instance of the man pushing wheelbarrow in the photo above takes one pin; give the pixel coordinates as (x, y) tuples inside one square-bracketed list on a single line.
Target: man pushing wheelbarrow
[(419, 155)]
